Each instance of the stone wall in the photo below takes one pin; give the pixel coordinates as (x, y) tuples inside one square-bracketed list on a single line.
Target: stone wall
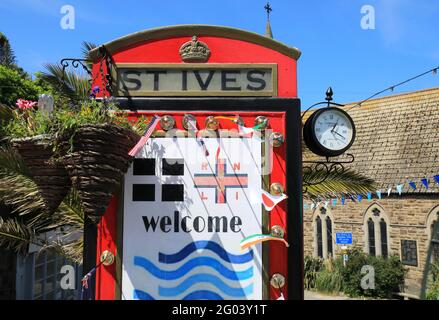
[(407, 217)]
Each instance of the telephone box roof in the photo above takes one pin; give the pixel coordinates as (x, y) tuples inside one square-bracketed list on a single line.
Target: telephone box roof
[(198, 30)]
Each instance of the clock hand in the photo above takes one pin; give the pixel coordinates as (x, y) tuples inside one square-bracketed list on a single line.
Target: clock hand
[(339, 134), (335, 125)]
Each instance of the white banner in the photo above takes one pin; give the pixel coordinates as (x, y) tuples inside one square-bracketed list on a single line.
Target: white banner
[(184, 217)]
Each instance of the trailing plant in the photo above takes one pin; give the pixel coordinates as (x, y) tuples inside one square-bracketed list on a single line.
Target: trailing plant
[(312, 266), (28, 121)]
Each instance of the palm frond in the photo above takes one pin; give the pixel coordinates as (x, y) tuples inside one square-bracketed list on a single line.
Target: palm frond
[(72, 250), (69, 216), (15, 235), (348, 182), (16, 185), (85, 50), (69, 84)]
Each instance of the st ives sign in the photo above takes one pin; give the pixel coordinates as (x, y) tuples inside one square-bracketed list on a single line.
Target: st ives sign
[(196, 79)]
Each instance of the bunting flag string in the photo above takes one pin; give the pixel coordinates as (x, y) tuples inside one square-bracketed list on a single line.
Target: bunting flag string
[(259, 238), (379, 193)]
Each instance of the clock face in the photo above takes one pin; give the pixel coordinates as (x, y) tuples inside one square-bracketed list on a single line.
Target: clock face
[(333, 129)]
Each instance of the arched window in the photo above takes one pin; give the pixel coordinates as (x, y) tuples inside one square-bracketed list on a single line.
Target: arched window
[(371, 236), (329, 236), (376, 232), (324, 238), (319, 237), (433, 234), (384, 245)]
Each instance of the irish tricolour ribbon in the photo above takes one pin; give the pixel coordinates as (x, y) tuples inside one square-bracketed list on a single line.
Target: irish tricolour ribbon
[(259, 238), (149, 130), (270, 201)]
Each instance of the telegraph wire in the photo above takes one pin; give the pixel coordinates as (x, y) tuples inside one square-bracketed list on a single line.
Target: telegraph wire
[(392, 88)]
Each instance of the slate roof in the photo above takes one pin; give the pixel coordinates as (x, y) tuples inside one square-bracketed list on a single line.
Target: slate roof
[(397, 140)]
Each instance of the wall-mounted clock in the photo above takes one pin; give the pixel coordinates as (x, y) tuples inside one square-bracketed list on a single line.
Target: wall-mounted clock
[(329, 132)]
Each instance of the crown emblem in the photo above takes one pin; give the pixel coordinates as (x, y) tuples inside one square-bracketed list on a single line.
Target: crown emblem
[(194, 51)]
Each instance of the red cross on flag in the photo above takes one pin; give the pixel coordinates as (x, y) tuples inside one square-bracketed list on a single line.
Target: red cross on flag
[(270, 201)]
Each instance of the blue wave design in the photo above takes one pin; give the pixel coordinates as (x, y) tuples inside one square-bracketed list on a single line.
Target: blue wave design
[(142, 295), (208, 245), (203, 295), (191, 264), (203, 277)]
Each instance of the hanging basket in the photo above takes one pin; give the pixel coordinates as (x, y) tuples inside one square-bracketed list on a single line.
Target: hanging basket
[(96, 159), (49, 174)]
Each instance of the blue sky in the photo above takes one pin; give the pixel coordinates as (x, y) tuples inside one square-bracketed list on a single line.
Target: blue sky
[(336, 50)]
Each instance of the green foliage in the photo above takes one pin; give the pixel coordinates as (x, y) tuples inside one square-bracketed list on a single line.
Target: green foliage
[(32, 122), (7, 56), (330, 278), (389, 275), (14, 86), (433, 288), (312, 267), (28, 123)]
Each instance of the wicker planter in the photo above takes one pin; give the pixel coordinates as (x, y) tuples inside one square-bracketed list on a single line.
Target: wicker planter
[(49, 175), (96, 163)]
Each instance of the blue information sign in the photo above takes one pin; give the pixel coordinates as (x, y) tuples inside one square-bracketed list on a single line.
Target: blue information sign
[(343, 238)]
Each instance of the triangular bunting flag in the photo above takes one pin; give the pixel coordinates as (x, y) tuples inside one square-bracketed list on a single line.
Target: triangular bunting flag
[(425, 183), (436, 178), (271, 201), (360, 197), (412, 185), (334, 202), (343, 200), (389, 191), (369, 196), (379, 194), (399, 188)]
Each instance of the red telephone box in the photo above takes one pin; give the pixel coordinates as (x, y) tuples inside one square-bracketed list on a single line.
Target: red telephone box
[(176, 224)]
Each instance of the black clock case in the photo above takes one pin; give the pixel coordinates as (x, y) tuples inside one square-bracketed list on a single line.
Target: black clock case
[(311, 140)]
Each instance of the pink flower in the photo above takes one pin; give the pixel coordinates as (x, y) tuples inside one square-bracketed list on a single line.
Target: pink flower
[(25, 104)]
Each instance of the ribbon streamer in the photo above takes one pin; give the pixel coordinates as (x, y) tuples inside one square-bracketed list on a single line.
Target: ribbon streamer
[(259, 238), (270, 201), (149, 130), (200, 141)]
